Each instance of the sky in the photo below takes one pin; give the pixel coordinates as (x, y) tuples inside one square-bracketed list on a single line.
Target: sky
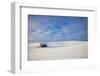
[(42, 28)]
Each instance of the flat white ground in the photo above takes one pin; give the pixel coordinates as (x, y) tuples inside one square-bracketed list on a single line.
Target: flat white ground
[(58, 50)]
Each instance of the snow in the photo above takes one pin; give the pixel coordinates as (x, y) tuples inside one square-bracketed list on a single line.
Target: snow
[(58, 50)]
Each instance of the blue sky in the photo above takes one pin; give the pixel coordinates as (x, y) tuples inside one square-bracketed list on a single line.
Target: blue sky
[(57, 28)]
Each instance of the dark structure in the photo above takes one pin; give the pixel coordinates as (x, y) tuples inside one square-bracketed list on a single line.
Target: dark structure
[(43, 45)]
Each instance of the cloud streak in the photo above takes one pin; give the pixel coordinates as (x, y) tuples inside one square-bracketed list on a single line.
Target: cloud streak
[(57, 28)]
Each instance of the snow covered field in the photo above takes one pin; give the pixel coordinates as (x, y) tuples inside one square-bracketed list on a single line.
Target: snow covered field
[(58, 50)]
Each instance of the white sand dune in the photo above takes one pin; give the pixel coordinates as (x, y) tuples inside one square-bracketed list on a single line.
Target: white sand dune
[(58, 50)]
